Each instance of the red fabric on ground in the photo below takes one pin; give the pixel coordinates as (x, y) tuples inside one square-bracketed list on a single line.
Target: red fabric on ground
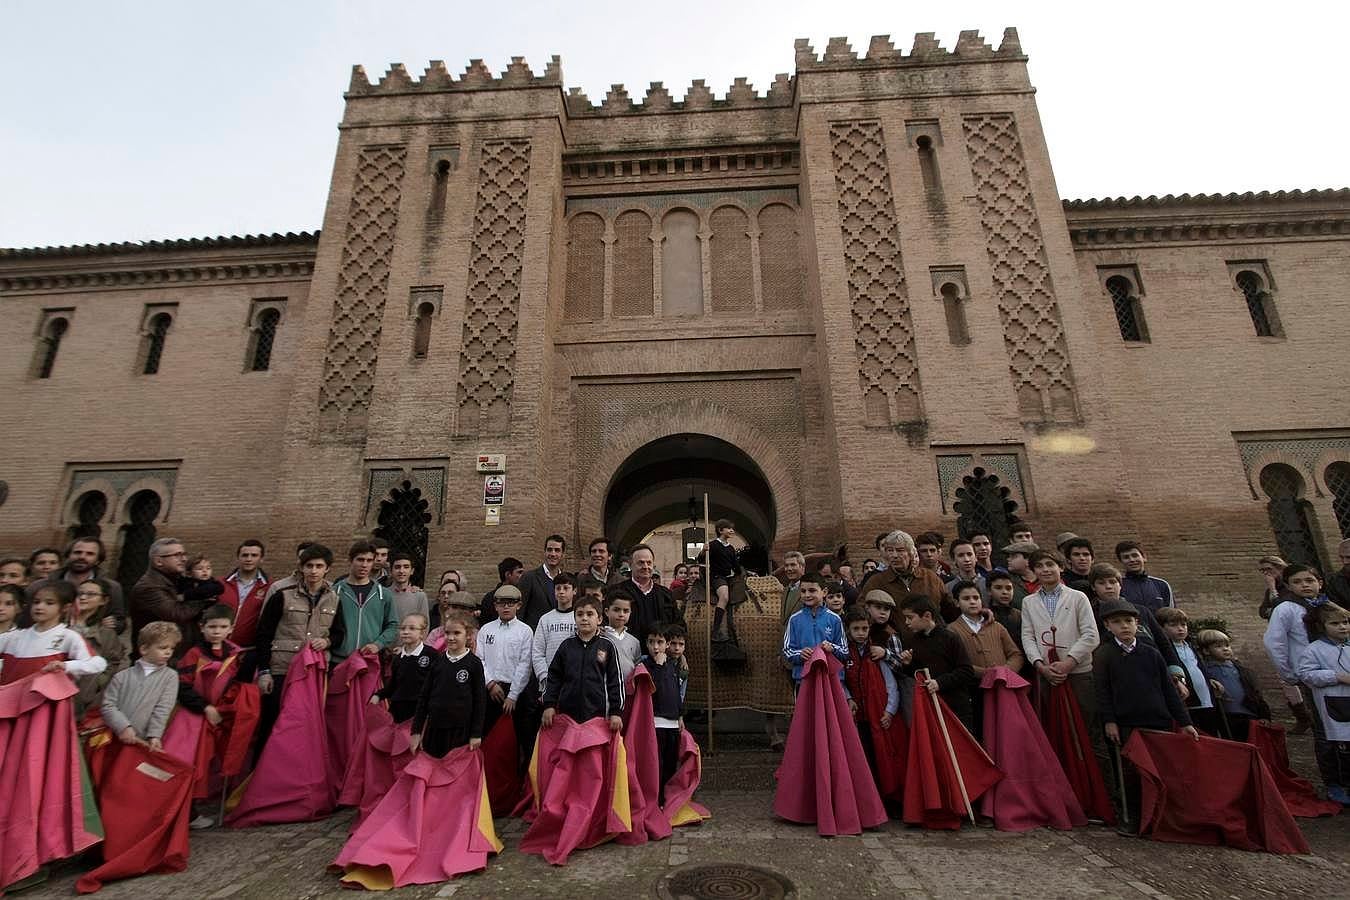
[(1034, 790), (932, 794), (42, 817), (501, 756), (146, 801), (580, 777), (644, 762), (350, 685), (291, 781), (1210, 791), (1299, 794), (680, 808), (1068, 735), (824, 779), (432, 825)]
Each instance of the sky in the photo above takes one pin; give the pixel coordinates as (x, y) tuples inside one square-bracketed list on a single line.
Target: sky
[(147, 120)]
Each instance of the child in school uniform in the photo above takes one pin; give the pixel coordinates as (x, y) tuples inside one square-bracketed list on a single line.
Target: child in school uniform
[(1233, 685), (618, 609), (1200, 703), (675, 640), (1324, 666), (987, 643), (139, 699), (667, 704), (411, 665), (583, 680), (48, 645), (935, 647), (453, 701)]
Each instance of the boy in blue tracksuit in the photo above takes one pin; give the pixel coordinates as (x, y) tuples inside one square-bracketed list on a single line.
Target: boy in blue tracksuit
[(810, 627)]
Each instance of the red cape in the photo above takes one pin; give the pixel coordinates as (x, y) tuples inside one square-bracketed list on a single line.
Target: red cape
[(1034, 791), (1069, 736), (146, 800), (380, 759), (889, 745), (44, 816), (579, 774), (434, 824), (680, 808), (222, 749), (349, 688), (644, 762), (1210, 791), (500, 752), (291, 781), (824, 778), (932, 794), (1299, 794)]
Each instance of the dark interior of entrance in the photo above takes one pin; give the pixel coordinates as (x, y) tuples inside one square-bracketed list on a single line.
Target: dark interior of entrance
[(655, 485)]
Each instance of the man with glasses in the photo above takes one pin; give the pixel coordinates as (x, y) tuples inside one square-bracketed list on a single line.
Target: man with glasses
[(156, 597)]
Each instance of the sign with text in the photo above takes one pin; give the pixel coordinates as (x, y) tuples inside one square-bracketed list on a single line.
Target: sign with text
[(492, 462), (494, 490)]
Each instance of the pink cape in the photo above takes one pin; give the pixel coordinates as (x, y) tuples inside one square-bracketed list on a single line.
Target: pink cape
[(380, 758), (434, 824), (824, 777), (43, 815), (644, 762), (580, 778), (1034, 791), (146, 799), (290, 782), (1299, 794), (680, 808), (1209, 791), (349, 688), (933, 795)]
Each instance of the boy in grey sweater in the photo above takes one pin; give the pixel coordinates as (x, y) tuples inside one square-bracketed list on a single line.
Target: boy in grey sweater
[(555, 626), (138, 701)]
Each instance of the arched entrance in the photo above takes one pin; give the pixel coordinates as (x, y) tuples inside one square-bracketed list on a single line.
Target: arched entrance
[(658, 482)]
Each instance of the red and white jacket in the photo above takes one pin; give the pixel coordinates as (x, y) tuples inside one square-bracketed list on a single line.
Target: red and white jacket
[(247, 609)]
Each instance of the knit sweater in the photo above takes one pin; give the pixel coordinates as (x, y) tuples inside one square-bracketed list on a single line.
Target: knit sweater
[(1134, 690), (141, 699), (990, 646), (1075, 628)]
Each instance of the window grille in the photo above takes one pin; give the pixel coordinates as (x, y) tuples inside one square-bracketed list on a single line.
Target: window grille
[(154, 342), (1129, 313), (1260, 305), (986, 506), (1289, 514), (264, 337), (51, 343), (403, 519), (1337, 477), (88, 514), (137, 536)]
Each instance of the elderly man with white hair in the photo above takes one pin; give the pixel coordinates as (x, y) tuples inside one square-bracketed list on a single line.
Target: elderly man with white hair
[(903, 577)]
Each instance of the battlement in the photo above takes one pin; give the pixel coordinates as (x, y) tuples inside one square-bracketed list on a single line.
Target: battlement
[(927, 50), (436, 78), (698, 98)]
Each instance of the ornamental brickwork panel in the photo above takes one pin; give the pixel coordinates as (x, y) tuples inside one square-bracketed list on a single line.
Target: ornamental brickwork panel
[(488, 355), (1033, 332), (363, 278), (883, 328)]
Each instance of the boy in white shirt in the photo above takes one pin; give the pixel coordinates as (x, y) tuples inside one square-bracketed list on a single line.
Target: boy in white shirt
[(504, 646), (617, 609), (555, 626)]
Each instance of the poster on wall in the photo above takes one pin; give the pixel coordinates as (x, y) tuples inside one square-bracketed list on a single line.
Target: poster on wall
[(494, 490)]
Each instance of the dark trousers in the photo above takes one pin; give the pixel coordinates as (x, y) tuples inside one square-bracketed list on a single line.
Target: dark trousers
[(668, 749), (1209, 721), (267, 714), (1333, 757)]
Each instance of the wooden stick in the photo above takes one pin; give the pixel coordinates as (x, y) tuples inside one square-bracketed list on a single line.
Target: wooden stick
[(224, 794), (1120, 778), (951, 750), (708, 612)]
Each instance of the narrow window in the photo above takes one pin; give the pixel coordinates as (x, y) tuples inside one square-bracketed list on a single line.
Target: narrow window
[(955, 309), (681, 265), (1260, 304), (438, 187), (1290, 514), (137, 536), (154, 342), (50, 345), (1337, 477), (264, 337), (1129, 311), (422, 331), (928, 167)]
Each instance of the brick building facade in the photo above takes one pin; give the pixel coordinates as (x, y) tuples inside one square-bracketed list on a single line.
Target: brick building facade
[(851, 302)]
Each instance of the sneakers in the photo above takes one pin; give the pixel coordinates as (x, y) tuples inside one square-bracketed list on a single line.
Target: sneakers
[(202, 822), (1337, 794)]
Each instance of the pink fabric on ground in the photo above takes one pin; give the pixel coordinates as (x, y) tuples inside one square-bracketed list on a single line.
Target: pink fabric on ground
[(644, 762)]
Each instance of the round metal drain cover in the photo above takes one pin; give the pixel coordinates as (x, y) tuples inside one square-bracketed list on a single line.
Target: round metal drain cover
[(725, 881)]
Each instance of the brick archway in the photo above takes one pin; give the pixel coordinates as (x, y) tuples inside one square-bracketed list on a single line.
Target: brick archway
[(693, 417)]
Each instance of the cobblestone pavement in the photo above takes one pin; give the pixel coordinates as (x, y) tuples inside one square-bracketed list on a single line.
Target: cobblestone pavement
[(895, 861)]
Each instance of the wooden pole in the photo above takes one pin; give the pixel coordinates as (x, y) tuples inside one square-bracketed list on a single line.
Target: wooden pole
[(224, 794), (951, 750), (708, 614)]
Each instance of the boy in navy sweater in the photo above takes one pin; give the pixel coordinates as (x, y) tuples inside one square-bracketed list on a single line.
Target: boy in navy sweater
[(667, 705), (583, 679)]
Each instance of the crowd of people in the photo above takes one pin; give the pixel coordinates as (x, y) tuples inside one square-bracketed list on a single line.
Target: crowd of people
[(1104, 650)]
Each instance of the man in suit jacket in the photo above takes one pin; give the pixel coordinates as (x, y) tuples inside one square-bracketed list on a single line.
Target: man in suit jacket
[(536, 587)]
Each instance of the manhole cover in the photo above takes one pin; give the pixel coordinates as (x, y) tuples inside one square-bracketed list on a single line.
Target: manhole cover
[(725, 882)]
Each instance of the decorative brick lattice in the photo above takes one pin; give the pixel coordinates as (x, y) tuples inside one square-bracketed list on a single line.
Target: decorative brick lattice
[(488, 355), (363, 277), (780, 267), (883, 329), (585, 300), (733, 284), (634, 292), (1033, 332), (954, 467), (1302, 453), (1337, 478), (430, 480)]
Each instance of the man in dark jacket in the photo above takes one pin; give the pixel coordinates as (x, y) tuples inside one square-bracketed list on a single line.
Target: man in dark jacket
[(536, 587), (155, 598), (653, 604), (83, 557)]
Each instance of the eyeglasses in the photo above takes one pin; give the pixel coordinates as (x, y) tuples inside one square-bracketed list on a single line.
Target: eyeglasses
[(172, 555)]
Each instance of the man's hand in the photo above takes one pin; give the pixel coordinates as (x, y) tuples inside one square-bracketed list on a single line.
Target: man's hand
[(931, 686), (371, 648), (265, 683), (548, 717), (615, 723), (156, 745), (853, 707), (128, 736), (56, 665), (886, 719), (1190, 729), (414, 742), (1113, 732), (681, 720), (508, 706), (475, 743), (495, 692), (877, 653), (319, 644), (906, 657), (213, 715)]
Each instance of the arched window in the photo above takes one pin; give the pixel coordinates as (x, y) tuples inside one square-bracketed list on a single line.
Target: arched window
[(422, 330), (1290, 514), (1260, 304), (681, 265), (50, 345), (780, 271), (89, 513), (1337, 477), (154, 342), (954, 307), (986, 506), (584, 300), (633, 265), (733, 280), (403, 520), (264, 337), (1129, 312), (928, 168), (137, 536), (440, 179)]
